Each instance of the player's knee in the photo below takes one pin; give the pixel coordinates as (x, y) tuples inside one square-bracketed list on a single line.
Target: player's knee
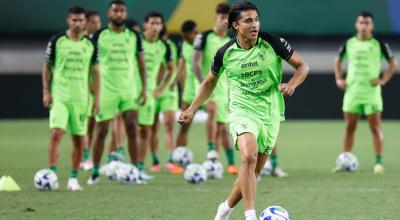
[(169, 127), (56, 133), (350, 127), (102, 132), (376, 131), (249, 159), (142, 132)]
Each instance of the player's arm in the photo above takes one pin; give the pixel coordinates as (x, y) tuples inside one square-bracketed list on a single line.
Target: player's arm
[(198, 46), (391, 70), (46, 77), (180, 75), (142, 69), (300, 74), (340, 82), (166, 79), (96, 87)]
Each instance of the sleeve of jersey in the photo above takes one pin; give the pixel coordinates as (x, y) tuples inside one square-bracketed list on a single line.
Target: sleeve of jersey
[(50, 53), (386, 51), (139, 44), (217, 66), (168, 53), (342, 51), (95, 40), (282, 47), (200, 41)]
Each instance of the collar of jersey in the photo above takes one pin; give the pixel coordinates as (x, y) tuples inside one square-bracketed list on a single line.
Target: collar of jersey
[(238, 45)]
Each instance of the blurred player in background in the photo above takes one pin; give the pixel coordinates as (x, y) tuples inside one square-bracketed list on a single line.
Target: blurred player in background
[(167, 104), (156, 52), (70, 59), (252, 65), (362, 86), (120, 57), (93, 23)]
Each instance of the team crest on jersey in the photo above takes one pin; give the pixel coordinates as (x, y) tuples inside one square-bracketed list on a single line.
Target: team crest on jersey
[(262, 56)]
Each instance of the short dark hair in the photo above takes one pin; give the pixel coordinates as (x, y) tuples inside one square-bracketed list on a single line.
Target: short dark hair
[(91, 13), (76, 10), (130, 23), (116, 2), (188, 26), (223, 8), (153, 14), (237, 8), (366, 14)]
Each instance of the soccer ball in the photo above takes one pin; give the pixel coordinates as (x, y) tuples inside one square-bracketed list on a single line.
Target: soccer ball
[(214, 169), (127, 174), (110, 169), (46, 180), (347, 162), (274, 213), (267, 169), (182, 156), (195, 173)]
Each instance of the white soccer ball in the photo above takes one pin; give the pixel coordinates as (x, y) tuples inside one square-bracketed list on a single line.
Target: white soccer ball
[(110, 169), (267, 169), (127, 174), (182, 156), (274, 213), (214, 169), (347, 162), (195, 173), (46, 180)]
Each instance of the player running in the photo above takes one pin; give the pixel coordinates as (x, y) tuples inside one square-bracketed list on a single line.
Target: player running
[(156, 52), (93, 23), (252, 62), (167, 104), (120, 57), (70, 59), (362, 86)]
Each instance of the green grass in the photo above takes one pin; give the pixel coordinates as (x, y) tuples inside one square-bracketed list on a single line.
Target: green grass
[(307, 150)]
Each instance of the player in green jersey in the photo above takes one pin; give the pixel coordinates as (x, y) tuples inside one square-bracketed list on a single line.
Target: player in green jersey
[(362, 85), (120, 60), (252, 63), (166, 104), (93, 23), (156, 52), (70, 59)]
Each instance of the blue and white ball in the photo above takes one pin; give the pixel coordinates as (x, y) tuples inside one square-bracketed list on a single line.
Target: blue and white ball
[(195, 173), (274, 213), (347, 162), (183, 156), (127, 174), (46, 180), (110, 169), (214, 169)]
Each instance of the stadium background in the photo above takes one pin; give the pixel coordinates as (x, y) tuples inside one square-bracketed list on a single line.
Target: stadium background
[(315, 30)]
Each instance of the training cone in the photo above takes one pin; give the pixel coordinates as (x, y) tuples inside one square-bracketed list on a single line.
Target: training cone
[(8, 184)]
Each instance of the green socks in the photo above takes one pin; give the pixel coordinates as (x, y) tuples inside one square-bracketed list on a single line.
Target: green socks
[(53, 168), (120, 149), (140, 165), (378, 159), (155, 158), (170, 160), (86, 154), (274, 161), (95, 171), (73, 174), (211, 146), (230, 156)]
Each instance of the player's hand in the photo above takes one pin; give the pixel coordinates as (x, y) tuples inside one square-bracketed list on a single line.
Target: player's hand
[(156, 93), (286, 89), (341, 84), (143, 97), (96, 107), (47, 99), (377, 82), (172, 87), (186, 116)]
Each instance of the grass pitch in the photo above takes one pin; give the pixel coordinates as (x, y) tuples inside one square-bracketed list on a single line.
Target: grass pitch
[(307, 151)]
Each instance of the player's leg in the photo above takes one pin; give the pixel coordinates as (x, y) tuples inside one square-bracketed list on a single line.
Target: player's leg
[(117, 143), (78, 143), (276, 170), (211, 108), (374, 121), (225, 138), (98, 148), (58, 122), (130, 121), (144, 142), (154, 145), (351, 120), (169, 120)]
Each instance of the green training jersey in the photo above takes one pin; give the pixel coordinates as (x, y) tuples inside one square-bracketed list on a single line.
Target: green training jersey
[(209, 42), (187, 54), (155, 54), (118, 60), (71, 61), (364, 64), (175, 56), (253, 77)]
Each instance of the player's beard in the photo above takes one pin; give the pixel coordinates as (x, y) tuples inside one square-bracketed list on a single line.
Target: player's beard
[(118, 23)]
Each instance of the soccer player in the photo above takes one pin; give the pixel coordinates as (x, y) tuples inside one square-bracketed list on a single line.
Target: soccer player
[(93, 23), (252, 62), (70, 59), (120, 57), (362, 86), (156, 52), (167, 104)]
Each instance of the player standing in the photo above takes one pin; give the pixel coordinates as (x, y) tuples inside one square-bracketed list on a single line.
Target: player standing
[(362, 86), (252, 62), (70, 57), (120, 57)]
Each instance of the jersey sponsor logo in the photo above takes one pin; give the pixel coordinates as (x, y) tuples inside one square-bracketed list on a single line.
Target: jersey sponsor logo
[(262, 56), (249, 64), (253, 84), (251, 73)]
